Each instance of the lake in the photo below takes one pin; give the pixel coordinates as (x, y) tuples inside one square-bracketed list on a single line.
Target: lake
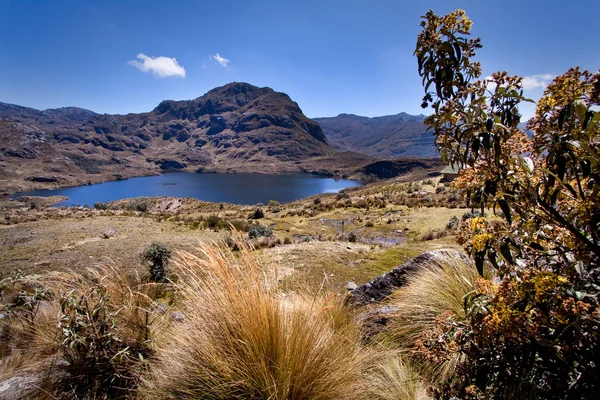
[(229, 188)]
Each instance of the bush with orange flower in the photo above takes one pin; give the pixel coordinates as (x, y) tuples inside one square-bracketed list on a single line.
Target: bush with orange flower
[(535, 335)]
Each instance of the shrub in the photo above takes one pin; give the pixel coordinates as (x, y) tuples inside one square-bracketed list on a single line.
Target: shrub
[(452, 223), (471, 214), (258, 230), (273, 203), (213, 221), (538, 335), (101, 206), (258, 213), (97, 325), (242, 340), (287, 240), (275, 209), (138, 204), (239, 225), (352, 237), (158, 254)]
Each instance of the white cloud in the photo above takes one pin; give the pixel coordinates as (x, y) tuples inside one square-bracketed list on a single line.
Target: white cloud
[(537, 81), (221, 60), (159, 66)]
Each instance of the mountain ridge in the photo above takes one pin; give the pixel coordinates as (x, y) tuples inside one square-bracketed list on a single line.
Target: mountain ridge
[(387, 136), (235, 127)]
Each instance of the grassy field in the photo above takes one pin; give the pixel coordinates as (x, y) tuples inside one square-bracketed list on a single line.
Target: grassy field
[(265, 293), (311, 246)]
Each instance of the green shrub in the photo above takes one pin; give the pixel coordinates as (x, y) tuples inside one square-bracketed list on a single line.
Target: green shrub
[(100, 206), (158, 254), (213, 221), (138, 204), (352, 237), (258, 213), (471, 214), (452, 223), (258, 230)]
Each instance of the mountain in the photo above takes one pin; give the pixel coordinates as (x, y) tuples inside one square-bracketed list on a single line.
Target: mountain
[(237, 127), (390, 136)]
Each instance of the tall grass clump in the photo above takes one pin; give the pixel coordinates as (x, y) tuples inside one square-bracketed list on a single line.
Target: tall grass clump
[(392, 378), (242, 339), (434, 292)]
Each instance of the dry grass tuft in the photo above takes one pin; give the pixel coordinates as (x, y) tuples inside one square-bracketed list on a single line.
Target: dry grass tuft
[(241, 338), (391, 378), (436, 289)]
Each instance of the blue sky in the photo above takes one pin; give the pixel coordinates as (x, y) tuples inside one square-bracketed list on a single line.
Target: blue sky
[(330, 56)]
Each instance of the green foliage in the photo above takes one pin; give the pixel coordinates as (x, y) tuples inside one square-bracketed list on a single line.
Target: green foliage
[(258, 230), (258, 213), (138, 204), (213, 221), (158, 254), (453, 223), (522, 344), (92, 347), (100, 206), (352, 237)]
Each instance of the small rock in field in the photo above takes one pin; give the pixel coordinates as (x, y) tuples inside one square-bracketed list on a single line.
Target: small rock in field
[(178, 316)]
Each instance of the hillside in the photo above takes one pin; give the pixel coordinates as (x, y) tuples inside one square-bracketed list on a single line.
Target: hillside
[(231, 128), (390, 136)]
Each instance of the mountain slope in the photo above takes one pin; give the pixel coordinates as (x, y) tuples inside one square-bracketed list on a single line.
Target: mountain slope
[(234, 127), (390, 136)]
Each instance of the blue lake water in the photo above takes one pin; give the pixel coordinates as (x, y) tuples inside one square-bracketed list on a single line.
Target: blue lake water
[(230, 188)]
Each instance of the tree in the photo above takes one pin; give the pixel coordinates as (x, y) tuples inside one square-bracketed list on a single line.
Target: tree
[(536, 333)]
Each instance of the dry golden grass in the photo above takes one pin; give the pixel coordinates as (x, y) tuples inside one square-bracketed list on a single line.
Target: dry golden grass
[(437, 287), (392, 378), (243, 339)]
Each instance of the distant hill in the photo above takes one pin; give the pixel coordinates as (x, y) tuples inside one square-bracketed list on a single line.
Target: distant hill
[(390, 136), (234, 127)]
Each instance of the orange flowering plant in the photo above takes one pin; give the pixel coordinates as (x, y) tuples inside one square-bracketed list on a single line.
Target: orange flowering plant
[(537, 335)]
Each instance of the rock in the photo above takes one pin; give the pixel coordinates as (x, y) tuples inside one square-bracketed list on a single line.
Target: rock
[(20, 387), (178, 316), (351, 286), (373, 321), (159, 308), (108, 234), (382, 286)]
